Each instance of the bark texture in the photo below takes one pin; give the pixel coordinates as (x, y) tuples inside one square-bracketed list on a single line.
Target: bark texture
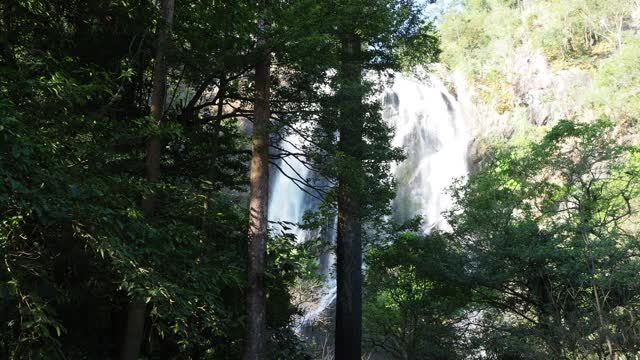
[(348, 332), (137, 307), (255, 347)]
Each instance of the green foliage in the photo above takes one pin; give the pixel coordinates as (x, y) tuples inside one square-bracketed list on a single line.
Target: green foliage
[(573, 31), (567, 31), (420, 49), (393, 36), (563, 32), (74, 85), (75, 82), (413, 297), (71, 248), (616, 85), (478, 37), (487, 41), (550, 231), (355, 38), (480, 41)]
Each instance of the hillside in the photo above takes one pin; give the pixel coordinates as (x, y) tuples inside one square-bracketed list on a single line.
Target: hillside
[(516, 65)]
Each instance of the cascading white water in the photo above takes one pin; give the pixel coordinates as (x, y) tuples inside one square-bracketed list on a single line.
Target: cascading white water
[(430, 126)]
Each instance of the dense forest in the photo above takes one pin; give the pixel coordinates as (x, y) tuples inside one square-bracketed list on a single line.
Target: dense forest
[(304, 179)]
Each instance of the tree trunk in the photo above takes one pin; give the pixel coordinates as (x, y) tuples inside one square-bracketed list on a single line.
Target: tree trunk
[(255, 347), (348, 332), (137, 307), (135, 329), (158, 93)]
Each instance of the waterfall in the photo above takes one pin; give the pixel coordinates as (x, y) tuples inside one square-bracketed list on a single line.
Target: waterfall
[(432, 130), (289, 198)]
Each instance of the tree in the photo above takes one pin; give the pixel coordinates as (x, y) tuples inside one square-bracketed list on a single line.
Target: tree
[(415, 297), (258, 201), (350, 185), (548, 229), (368, 36), (137, 307), (76, 83)]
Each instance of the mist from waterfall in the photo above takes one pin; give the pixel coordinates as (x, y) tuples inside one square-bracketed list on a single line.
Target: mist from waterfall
[(431, 129)]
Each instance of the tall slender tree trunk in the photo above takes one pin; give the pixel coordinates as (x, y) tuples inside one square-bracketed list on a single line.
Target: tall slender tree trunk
[(348, 332), (158, 94), (255, 348), (137, 307)]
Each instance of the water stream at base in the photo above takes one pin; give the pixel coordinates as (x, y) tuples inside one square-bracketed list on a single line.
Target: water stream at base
[(432, 130)]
